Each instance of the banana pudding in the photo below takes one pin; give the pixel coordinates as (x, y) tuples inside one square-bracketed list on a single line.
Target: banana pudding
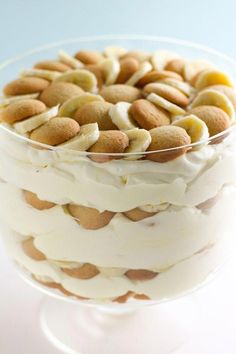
[(118, 167)]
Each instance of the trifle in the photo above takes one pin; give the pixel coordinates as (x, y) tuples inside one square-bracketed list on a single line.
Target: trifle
[(118, 173)]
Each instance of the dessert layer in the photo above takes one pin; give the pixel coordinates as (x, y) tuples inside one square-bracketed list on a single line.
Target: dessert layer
[(118, 101), (121, 103), (178, 279), (119, 185), (154, 243)]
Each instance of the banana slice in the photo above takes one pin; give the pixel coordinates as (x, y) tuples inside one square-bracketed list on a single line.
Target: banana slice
[(69, 107), (88, 135), (161, 57), (212, 97), (192, 68), (69, 60), (212, 77), (119, 114), (111, 69), (144, 68), (150, 208), (184, 87), (194, 126), (34, 122), (168, 106), (139, 141), (5, 101), (83, 78), (114, 52), (44, 74)]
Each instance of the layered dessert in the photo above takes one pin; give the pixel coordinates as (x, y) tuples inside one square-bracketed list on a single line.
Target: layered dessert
[(118, 173)]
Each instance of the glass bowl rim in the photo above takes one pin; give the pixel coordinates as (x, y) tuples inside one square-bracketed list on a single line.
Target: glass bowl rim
[(169, 40), (61, 148)]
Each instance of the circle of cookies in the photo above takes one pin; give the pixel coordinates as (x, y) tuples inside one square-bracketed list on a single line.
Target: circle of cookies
[(132, 104)]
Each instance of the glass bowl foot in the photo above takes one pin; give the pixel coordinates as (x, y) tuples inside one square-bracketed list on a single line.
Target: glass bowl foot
[(79, 329)]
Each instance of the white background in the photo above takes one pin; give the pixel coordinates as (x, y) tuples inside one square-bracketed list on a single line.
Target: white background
[(25, 24), (29, 23)]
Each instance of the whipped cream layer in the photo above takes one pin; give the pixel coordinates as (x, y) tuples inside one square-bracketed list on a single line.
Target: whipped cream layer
[(64, 176), (155, 243), (174, 242), (178, 279)]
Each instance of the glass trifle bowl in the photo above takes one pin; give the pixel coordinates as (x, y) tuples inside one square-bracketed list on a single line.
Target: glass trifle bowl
[(120, 230)]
